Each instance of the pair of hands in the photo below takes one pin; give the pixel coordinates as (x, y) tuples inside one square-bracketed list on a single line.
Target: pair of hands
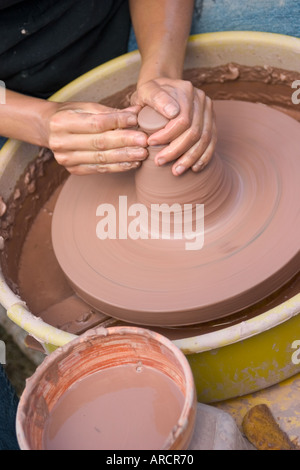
[(89, 137)]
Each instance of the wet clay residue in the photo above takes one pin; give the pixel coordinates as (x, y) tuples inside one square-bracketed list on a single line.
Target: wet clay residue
[(31, 193), (259, 84), (268, 85)]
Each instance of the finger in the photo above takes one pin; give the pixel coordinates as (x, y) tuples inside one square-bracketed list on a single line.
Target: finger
[(187, 139), (152, 94), (177, 126), (124, 154), (207, 155), (91, 107), (102, 141), (111, 168), (197, 150), (88, 123)]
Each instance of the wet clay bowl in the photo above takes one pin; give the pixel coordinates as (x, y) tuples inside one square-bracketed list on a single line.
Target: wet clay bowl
[(100, 351), (228, 359)]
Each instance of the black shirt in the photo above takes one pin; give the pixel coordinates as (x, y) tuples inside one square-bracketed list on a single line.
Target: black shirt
[(45, 44)]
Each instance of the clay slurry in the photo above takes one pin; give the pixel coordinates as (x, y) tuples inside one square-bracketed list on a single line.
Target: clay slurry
[(123, 407)]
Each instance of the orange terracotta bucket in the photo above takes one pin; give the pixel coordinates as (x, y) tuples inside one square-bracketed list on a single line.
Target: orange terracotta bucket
[(97, 351)]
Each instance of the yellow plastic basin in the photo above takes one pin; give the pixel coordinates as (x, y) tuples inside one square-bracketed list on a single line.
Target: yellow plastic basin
[(233, 361)]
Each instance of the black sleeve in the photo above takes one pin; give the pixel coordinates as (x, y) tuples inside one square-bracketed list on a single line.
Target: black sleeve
[(45, 44)]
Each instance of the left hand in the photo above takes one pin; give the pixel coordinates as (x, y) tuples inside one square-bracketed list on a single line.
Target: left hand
[(191, 134)]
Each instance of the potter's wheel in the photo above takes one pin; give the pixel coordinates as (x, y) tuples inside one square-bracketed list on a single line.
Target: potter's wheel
[(251, 194)]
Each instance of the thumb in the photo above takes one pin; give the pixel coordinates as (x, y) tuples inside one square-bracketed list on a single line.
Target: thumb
[(158, 98)]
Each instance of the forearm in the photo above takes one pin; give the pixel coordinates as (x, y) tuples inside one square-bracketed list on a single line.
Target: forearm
[(162, 29), (23, 117)]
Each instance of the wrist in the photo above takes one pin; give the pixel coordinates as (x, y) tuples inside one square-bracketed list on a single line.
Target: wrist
[(154, 67), (26, 118), (44, 112)]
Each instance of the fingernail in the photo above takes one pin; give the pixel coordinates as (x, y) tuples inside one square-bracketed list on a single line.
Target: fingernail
[(135, 165), (171, 110), (128, 164), (141, 140), (132, 121), (180, 169), (139, 153), (161, 161), (198, 166)]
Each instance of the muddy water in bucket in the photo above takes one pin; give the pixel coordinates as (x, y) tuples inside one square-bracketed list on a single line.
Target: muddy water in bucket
[(115, 388), (126, 407)]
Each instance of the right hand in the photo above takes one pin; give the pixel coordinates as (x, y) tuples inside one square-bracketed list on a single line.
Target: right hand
[(189, 139), (91, 138)]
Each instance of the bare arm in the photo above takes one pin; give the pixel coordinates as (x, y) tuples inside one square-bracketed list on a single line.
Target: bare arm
[(162, 30), (85, 137), (23, 118)]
